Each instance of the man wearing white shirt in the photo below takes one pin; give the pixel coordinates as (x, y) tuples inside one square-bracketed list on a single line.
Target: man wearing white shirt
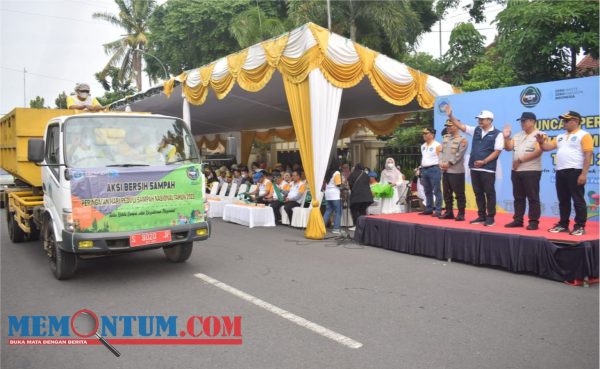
[(487, 144), (431, 174)]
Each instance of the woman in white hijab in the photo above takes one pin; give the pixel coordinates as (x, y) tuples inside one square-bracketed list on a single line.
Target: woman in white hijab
[(392, 175)]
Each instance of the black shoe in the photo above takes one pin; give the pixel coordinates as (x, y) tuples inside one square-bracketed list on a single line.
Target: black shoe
[(489, 222), (447, 215), (532, 226), (578, 231), (558, 229), (479, 220), (426, 212), (513, 224), (460, 217)]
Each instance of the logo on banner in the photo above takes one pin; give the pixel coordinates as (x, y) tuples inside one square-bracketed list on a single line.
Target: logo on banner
[(530, 97), (193, 173), (77, 174), (442, 104)]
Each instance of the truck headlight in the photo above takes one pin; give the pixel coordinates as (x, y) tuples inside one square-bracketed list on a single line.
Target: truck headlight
[(68, 220)]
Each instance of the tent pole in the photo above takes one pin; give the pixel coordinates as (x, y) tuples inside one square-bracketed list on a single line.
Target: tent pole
[(328, 16), (186, 116)]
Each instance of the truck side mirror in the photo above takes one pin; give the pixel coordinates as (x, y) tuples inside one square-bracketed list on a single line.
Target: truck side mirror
[(35, 150)]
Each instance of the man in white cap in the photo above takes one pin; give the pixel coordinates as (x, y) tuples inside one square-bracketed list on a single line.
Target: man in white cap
[(82, 99), (487, 144)]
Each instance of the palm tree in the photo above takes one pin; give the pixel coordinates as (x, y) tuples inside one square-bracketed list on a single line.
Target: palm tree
[(127, 51), (255, 24), (388, 26)]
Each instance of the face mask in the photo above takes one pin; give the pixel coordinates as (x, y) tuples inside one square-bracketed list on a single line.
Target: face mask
[(390, 166), (244, 175), (83, 95)]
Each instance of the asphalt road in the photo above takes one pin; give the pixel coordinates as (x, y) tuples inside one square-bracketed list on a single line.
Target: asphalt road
[(406, 311)]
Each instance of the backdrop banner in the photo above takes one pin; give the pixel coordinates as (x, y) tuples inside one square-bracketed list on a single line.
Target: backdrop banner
[(548, 101)]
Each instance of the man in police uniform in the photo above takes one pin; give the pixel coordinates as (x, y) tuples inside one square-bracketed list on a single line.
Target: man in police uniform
[(526, 170), (453, 171), (574, 152)]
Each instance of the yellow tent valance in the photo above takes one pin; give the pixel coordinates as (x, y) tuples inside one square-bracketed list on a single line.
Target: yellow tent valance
[(343, 63)]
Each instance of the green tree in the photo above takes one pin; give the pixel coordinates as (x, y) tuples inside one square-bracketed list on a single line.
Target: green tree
[(133, 18), (491, 72), (187, 34), (466, 46), (61, 101), (541, 38), (37, 103), (115, 89), (258, 23), (392, 27)]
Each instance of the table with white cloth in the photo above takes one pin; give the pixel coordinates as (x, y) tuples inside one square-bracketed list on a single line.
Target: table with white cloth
[(251, 216), (216, 205)]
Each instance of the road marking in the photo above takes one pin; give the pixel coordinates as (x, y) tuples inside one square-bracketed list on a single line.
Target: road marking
[(339, 338)]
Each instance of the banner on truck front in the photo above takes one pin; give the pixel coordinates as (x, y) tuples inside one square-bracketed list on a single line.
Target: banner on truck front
[(136, 198), (548, 101)]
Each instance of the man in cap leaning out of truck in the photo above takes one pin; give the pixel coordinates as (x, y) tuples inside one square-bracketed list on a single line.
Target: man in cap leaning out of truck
[(82, 99)]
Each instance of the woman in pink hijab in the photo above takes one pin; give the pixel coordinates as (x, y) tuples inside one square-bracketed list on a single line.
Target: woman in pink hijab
[(390, 174)]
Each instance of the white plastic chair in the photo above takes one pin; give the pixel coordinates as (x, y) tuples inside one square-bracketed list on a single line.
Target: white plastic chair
[(300, 213), (284, 218), (232, 191), (223, 189), (214, 188), (242, 189), (252, 188)]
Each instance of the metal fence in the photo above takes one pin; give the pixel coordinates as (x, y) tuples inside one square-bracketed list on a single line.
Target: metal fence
[(408, 157)]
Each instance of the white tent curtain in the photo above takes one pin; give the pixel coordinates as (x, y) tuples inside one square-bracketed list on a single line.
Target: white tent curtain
[(187, 117), (325, 101)]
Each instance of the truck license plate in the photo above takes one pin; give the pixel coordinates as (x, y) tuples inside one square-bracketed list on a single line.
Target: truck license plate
[(149, 238)]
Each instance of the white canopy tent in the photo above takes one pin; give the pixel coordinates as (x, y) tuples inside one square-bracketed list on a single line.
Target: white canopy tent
[(309, 77)]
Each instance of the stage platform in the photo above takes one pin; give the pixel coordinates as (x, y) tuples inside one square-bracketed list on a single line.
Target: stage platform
[(560, 257)]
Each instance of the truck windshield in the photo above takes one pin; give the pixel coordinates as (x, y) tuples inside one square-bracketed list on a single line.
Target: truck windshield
[(108, 141)]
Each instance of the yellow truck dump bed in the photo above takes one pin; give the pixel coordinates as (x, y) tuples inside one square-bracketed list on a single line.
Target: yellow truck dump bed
[(16, 128)]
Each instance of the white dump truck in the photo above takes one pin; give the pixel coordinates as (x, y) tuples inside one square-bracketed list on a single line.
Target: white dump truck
[(94, 184)]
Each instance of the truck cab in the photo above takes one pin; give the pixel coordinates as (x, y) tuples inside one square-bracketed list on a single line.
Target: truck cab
[(116, 183)]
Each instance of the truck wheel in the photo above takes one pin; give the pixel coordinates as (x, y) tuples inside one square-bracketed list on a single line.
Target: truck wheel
[(34, 235), (62, 264), (179, 253), (15, 232)]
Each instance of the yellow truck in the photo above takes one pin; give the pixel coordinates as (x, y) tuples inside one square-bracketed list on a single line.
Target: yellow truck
[(94, 184)]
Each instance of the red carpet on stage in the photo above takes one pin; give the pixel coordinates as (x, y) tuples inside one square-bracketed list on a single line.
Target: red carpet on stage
[(501, 219)]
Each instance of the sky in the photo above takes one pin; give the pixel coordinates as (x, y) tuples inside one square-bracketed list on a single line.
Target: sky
[(59, 44)]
